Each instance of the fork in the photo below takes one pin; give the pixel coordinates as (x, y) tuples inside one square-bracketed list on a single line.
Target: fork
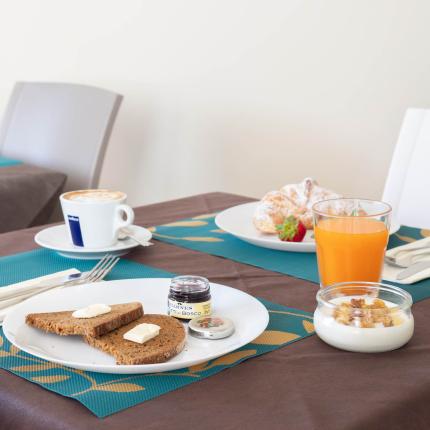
[(98, 273)]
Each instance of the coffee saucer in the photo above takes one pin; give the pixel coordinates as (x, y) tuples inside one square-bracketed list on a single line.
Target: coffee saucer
[(57, 239)]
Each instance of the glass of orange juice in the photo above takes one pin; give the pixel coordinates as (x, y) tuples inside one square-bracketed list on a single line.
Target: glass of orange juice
[(351, 237)]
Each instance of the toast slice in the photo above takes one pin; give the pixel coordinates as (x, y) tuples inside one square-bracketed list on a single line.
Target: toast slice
[(64, 324), (166, 345)]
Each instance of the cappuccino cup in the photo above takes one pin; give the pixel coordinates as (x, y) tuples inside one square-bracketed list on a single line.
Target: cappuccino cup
[(94, 217)]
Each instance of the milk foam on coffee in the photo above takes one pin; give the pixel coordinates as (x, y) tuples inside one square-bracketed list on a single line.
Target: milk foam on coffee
[(93, 196)]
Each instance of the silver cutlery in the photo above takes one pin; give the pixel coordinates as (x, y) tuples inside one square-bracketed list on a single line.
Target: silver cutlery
[(413, 270), (102, 268), (13, 290), (98, 273), (127, 233), (392, 262)]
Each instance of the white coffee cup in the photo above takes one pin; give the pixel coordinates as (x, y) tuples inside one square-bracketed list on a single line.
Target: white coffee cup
[(94, 217)]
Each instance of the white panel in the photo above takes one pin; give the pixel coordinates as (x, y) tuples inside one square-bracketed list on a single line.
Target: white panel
[(408, 182)]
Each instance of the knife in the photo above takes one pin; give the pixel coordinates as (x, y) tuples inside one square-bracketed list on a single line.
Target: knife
[(413, 269), (14, 290)]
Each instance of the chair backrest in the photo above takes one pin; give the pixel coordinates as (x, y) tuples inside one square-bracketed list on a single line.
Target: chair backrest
[(65, 127), (407, 187)]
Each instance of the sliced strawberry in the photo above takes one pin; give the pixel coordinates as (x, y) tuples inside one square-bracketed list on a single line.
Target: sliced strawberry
[(291, 230)]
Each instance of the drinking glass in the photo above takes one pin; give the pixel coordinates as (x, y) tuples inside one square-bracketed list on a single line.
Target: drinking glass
[(351, 237)]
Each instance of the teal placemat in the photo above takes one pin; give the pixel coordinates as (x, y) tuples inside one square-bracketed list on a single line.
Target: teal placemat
[(202, 234), (5, 162), (41, 262), (105, 394)]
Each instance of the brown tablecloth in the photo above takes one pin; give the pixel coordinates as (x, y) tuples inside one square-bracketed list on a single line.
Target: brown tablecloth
[(306, 385), (28, 196)]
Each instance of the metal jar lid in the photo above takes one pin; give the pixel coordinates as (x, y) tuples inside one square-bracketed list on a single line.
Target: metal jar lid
[(211, 327)]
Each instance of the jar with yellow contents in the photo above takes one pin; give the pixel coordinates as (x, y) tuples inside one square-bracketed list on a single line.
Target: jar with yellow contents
[(189, 297)]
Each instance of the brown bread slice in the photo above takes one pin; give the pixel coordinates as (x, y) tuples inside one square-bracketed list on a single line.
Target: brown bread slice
[(64, 324), (166, 345)]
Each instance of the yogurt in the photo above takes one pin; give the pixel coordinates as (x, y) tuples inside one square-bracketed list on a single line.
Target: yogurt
[(358, 339)]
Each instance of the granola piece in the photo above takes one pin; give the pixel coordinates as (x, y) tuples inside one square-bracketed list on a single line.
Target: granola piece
[(366, 319), (358, 303), (358, 313), (342, 314), (378, 304)]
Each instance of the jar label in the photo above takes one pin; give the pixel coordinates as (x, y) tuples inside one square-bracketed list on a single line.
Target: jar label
[(189, 310)]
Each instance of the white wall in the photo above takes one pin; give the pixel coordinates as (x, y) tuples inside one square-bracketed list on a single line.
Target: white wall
[(233, 95)]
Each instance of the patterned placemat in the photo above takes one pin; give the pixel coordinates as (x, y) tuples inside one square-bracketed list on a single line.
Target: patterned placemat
[(105, 394), (5, 162), (41, 262), (202, 234)]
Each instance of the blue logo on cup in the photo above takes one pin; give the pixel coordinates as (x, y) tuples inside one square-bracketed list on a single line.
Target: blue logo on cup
[(75, 230)]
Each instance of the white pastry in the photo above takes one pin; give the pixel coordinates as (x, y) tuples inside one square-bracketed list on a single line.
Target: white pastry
[(292, 199), (273, 209)]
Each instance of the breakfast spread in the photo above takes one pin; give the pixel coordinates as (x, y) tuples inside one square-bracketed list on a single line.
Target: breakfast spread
[(292, 200), (142, 332), (64, 324), (214, 327), (363, 324), (189, 297), (169, 342), (92, 311)]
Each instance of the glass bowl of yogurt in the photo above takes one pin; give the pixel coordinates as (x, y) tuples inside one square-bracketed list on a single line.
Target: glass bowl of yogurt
[(364, 316)]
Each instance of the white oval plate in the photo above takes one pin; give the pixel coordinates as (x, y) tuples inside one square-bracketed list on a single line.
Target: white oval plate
[(248, 314), (57, 239), (238, 222)]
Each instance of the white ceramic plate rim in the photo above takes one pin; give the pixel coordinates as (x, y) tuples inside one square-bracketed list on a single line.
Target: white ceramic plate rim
[(61, 230), (267, 241), (258, 239), (19, 314)]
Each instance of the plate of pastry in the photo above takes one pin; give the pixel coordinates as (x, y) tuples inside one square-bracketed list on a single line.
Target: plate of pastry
[(281, 220), (123, 327)]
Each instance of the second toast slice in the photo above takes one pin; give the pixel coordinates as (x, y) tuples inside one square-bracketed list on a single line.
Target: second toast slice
[(161, 348)]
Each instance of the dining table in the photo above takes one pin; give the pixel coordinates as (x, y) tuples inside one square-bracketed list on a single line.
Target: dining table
[(307, 385), (28, 194)]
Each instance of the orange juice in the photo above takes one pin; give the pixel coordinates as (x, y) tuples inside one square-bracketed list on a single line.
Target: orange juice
[(350, 249)]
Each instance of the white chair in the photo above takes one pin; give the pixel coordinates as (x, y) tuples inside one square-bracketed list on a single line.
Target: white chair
[(65, 127), (407, 187)]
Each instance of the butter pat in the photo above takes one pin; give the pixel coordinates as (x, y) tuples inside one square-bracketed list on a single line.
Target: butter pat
[(142, 333), (91, 311)]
